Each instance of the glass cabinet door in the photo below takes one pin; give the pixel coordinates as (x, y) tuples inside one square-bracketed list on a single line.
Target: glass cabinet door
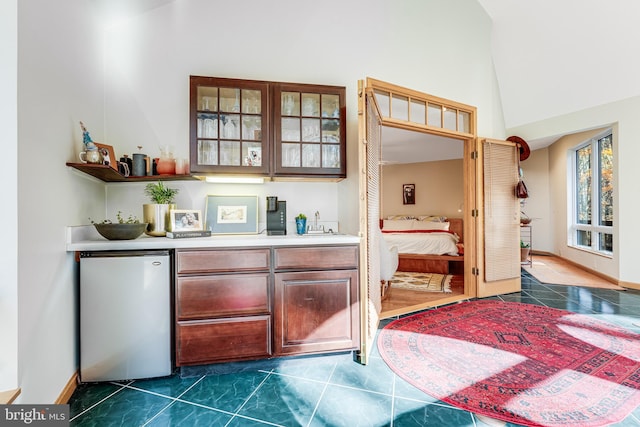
[(229, 126), (309, 123)]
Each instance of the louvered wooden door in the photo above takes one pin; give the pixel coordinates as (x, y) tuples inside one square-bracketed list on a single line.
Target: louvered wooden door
[(498, 238)]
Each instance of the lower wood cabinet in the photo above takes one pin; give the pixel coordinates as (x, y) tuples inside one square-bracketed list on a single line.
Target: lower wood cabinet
[(242, 304), (316, 311)]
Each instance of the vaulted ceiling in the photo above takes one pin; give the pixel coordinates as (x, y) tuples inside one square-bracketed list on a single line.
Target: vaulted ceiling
[(551, 57), (554, 57)]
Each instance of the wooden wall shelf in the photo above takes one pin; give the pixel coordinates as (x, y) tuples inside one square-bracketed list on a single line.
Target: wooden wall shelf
[(109, 174)]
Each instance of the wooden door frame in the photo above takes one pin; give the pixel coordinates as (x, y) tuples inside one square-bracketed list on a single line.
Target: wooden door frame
[(469, 172)]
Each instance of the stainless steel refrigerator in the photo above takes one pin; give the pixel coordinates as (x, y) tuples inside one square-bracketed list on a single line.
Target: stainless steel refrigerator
[(125, 315)]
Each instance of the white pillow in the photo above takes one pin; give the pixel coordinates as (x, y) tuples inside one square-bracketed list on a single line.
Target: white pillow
[(430, 225), (397, 224), (434, 218)]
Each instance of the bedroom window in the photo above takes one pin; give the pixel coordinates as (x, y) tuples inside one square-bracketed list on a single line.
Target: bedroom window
[(593, 195)]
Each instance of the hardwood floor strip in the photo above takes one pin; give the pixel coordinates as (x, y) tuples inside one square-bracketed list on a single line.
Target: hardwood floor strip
[(7, 397)]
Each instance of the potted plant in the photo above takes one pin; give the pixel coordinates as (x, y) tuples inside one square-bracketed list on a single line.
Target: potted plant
[(524, 251), (156, 214), (301, 223)]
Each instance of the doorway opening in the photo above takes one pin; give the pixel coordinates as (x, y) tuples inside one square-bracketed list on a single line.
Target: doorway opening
[(431, 264), (414, 125)]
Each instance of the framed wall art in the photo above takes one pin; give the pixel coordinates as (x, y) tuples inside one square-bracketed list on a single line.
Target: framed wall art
[(408, 194), (231, 214), (185, 220)]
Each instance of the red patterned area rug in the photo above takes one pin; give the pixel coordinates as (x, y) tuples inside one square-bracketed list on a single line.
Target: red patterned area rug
[(520, 363)]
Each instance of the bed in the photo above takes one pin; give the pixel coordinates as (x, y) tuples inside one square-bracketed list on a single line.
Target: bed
[(426, 244)]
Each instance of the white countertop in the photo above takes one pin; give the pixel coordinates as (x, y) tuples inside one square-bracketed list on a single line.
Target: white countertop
[(86, 238)]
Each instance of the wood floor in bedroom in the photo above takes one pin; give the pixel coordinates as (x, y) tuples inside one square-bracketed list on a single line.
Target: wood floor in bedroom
[(407, 301)]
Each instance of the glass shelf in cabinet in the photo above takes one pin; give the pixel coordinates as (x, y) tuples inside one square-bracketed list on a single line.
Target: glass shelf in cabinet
[(310, 155), (229, 100), (330, 105), (290, 104), (230, 153)]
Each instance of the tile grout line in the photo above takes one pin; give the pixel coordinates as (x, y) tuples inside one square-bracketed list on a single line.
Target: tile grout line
[(173, 399), (326, 385), (249, 397), (392, 417), (122, 387)]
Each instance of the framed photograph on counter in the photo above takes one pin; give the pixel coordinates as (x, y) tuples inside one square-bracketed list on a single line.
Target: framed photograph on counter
[(231, 214), (185, 220)]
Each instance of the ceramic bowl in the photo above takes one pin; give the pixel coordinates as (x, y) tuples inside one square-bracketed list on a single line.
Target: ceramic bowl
[(121, 231)]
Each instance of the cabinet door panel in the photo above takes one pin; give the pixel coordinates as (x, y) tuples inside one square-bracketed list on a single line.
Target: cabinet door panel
[(225, 115), (222, 340), (308, 117), (316, 311), (200, 297), (231, 260)]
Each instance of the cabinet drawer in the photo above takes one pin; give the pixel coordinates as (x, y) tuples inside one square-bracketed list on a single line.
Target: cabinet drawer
[(323, 257), (231, 260), (200, 342), (199, 297)]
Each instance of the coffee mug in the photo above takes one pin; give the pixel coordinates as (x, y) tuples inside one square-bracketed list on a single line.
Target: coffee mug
[(90, 156), (123, 168)]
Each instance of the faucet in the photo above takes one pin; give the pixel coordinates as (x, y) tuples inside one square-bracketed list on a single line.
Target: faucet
[(315, 228)]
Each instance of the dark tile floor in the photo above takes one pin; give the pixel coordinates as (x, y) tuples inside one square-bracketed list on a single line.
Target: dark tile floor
[(319, 391)]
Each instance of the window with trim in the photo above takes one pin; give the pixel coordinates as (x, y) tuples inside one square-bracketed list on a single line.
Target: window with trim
[(592, 227)]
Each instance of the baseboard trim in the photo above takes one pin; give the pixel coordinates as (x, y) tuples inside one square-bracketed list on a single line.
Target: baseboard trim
[(7, 397), (629, 285), (613, 280), (68, 390)]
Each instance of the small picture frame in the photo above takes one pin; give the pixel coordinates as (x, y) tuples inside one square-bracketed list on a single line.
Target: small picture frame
[(108, 155), (408, 194), (185, 220), (231, 214)]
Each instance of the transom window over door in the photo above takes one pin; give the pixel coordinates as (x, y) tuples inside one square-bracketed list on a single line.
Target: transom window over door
[(592, 227)]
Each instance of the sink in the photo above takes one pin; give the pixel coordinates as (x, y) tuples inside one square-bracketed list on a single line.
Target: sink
[(314, 232), (319, 233)]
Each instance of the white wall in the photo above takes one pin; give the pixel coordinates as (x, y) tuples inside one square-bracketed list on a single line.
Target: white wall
[(150, 57), (59, 83), (561, 195), (439, 188), (135, 92), (623, 266), (9, 175), (537, 205)]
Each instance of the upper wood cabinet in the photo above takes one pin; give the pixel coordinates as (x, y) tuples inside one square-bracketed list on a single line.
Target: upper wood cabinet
[(229, 131), (249, 127), (309, 131)]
